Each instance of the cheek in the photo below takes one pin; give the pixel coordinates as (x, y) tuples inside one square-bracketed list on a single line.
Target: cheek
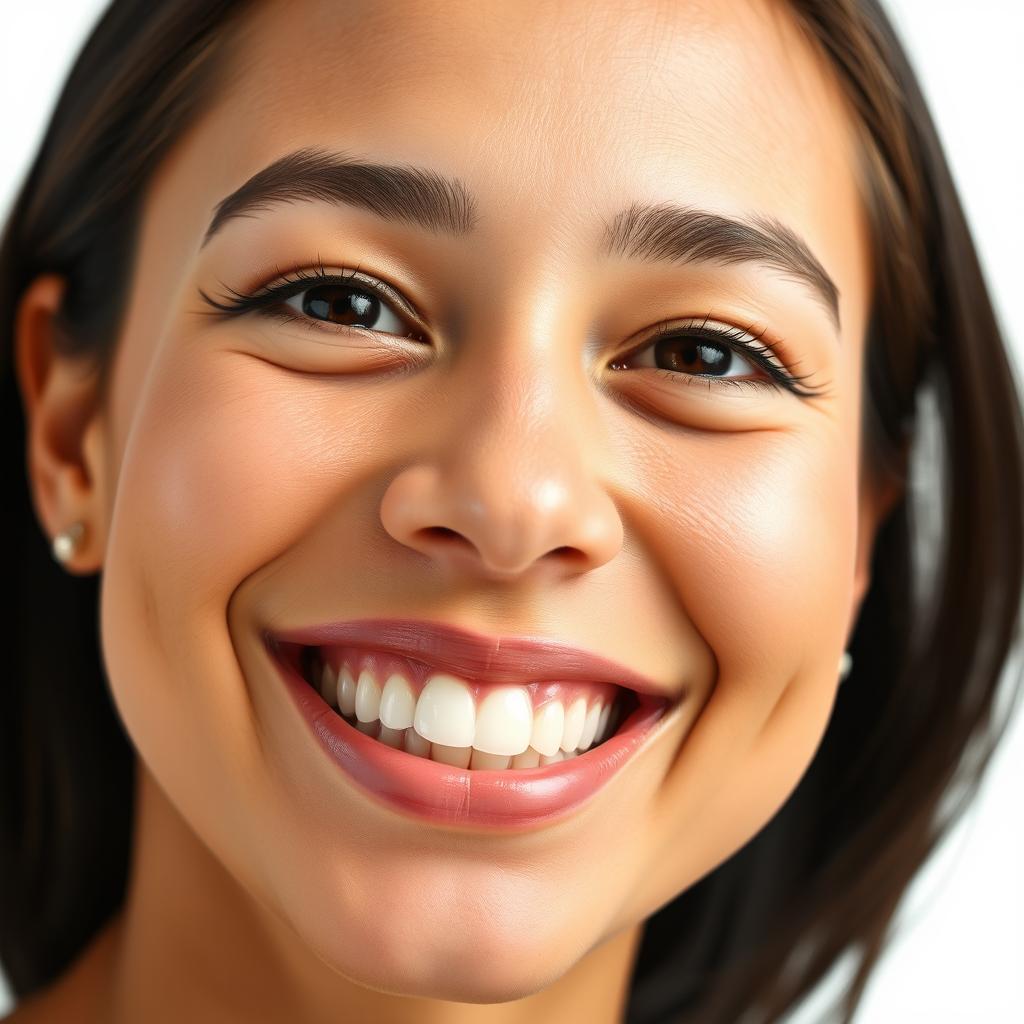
[(217, 477), (222, 470), (761, 553), (761, 549), (228, 464)]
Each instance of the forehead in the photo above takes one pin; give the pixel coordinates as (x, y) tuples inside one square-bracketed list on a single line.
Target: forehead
[(557, 115), (711, 85)]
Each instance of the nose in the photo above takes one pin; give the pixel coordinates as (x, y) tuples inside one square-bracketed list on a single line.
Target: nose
[(509, 486)]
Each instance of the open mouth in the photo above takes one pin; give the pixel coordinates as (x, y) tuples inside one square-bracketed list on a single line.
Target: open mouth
[(457, 729), (411, 706)]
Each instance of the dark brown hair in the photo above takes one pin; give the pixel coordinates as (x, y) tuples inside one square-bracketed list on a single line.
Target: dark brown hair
[(913, 726)]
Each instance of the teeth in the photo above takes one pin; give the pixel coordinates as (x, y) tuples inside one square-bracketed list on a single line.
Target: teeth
[(458, 756), (590, 725), (445, 713), (346, 696), (573, 728), (481, 759), (397, 703), (328, 685), (367, 697), (548, 723), (392, 737), (529, 758), (445, 724), (416, 744), (504, 722)]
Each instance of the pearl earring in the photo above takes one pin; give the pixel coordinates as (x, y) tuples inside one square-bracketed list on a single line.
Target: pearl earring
[(67, 541), (845, 664)]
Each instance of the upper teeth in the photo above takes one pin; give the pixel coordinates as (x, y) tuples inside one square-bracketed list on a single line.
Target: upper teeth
[(444, 722)]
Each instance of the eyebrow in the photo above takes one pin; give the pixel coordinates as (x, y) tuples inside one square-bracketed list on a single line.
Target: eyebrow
[(650, 232)]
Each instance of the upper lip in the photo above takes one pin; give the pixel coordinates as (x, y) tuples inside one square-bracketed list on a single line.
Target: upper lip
[(472, 655)]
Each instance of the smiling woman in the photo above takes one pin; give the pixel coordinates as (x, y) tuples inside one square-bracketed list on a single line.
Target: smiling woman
[(473, 452)]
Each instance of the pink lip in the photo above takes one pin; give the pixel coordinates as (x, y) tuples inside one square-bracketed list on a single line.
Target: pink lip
[(510, 660), (439, 793)]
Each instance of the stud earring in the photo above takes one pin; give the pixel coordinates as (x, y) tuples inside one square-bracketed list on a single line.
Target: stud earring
[(67, 541), (845, 664)]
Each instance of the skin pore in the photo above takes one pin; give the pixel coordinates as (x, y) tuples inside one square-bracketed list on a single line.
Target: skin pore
[(249, 472)]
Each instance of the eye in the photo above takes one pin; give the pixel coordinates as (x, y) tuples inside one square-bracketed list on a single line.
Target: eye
[(713, 354), (348, 305), (323, 301)]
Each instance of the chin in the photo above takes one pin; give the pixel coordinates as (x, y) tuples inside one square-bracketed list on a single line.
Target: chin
[(449, 958), (498, 982)]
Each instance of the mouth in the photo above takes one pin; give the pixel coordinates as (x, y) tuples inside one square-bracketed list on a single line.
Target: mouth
[(458, 721), (495, 745)]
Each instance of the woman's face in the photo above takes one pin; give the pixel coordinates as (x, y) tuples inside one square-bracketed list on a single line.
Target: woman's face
[(508, 449)]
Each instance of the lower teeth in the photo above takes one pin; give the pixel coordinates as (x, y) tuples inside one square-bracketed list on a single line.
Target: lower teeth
[(460, 757)]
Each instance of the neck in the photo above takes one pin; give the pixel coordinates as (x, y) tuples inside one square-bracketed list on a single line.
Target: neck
[(193, 944)]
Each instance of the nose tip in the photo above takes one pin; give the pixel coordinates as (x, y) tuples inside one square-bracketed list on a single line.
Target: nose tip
[(501, 526)]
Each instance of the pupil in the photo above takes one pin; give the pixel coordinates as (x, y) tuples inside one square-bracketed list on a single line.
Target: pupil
[(685, 354), (341, 305)]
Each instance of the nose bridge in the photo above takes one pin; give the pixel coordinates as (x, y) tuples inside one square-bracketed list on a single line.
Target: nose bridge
[(519, 444), (523, 405), (523, 349), (515, 475)]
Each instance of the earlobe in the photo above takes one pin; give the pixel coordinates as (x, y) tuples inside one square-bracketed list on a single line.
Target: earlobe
[(59, 397)]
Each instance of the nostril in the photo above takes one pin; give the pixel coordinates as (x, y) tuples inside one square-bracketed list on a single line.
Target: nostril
[(442, 533), (571, 556)]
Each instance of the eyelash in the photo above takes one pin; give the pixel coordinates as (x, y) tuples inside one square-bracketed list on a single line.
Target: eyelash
[(268, 302), (751, 346)]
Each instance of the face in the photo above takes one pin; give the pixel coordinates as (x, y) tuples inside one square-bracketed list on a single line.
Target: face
[(484, 429)]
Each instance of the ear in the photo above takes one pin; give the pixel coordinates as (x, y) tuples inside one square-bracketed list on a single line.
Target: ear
[(63, 425), (876, 502)]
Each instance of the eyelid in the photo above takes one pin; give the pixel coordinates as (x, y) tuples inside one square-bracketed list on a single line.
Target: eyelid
[(298, 274), (747, 339), (265, 299), (750, 343)]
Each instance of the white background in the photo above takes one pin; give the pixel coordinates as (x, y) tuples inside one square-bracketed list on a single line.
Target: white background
[(958, 955)]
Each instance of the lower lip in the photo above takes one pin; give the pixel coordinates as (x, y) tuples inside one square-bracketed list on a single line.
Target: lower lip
[(442, 794)]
